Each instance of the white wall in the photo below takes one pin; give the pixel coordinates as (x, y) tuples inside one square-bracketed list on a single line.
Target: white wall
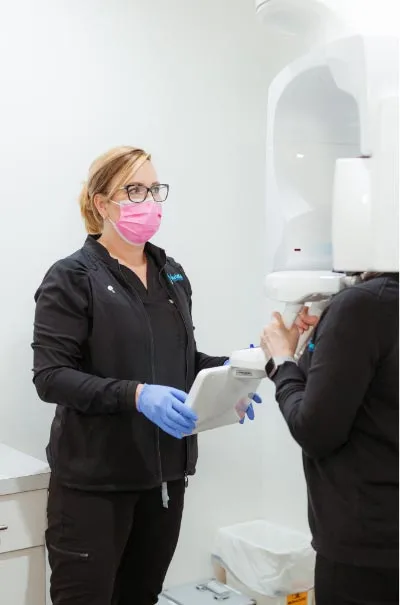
[(188, 81)]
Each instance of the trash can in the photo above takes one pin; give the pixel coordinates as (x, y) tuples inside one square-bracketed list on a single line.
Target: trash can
[(274, 565)]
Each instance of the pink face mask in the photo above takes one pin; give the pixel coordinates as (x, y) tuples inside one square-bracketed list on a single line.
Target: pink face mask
[(138, 222)]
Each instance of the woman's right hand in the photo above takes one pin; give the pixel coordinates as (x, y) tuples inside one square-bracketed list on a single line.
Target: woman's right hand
[(165, 407), (304, 321)]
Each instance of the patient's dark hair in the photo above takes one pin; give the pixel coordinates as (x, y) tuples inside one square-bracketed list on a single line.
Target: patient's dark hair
[(372, 275)]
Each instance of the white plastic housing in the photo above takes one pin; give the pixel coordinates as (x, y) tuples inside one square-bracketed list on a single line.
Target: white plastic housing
[(365, 221), (338, 102), (321, 21), (313, 20), (220, 396), (300, 287), (252, 360)]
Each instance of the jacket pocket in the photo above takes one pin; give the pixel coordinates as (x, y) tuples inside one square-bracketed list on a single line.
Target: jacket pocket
[(83, 556)]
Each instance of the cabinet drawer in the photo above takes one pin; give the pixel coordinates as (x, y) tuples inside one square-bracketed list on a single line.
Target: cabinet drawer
[(22, 520), (22, 577)]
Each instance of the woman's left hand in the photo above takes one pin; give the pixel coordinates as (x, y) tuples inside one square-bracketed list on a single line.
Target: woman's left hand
[(279, 341)]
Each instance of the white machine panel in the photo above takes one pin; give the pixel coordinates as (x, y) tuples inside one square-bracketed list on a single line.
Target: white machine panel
[(221, 396), (332, 159), (321, 21), (311, 123), (365, 222)]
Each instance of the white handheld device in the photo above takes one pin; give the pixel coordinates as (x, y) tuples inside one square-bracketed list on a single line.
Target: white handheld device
[(221, 396)]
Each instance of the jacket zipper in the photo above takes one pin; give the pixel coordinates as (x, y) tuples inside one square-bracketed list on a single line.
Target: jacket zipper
[(162, 271), (153, 371)]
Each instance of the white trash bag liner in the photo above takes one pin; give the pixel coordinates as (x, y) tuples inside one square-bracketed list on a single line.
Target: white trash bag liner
[(268, 559)]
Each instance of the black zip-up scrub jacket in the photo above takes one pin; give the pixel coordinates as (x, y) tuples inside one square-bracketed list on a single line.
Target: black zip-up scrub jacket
[(341, 404), (93, 345)]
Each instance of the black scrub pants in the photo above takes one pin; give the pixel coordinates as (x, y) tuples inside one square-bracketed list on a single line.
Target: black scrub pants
[(110, 548), (338, 584)]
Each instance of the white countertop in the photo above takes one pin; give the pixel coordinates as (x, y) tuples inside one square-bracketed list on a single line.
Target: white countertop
[(20, 472)]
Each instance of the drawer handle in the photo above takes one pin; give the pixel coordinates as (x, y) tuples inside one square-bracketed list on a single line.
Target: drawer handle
[(3, 527)]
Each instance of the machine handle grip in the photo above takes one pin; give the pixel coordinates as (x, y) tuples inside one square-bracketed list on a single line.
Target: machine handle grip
[(289, 317), (290, 313), (316, 309)]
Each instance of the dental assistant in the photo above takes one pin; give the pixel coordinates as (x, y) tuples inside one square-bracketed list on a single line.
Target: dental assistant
[(114, 348)]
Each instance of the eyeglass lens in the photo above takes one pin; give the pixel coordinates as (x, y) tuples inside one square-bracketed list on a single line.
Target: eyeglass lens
[(138, 193)]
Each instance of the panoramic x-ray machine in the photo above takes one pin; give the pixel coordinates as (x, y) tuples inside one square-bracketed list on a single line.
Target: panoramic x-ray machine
[(331, 178)]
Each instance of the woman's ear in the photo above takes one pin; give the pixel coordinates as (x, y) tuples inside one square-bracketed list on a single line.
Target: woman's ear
[(100, 203)]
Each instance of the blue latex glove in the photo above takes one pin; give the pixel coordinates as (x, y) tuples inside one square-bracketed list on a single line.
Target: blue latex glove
[(250, 410), (165, 407), (256, 398)]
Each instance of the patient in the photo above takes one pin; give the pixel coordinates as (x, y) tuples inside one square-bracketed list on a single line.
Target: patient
[(341, 404)]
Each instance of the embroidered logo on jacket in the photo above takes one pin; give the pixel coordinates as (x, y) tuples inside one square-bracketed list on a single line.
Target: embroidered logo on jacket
[(174, 277)]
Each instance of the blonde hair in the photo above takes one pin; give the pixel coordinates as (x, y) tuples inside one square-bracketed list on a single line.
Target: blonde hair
[(108, 173)]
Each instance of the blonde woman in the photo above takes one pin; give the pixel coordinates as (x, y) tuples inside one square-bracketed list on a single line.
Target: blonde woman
[(114, 349)]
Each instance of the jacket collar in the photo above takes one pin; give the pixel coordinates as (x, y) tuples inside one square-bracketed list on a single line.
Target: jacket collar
[(95, 249)]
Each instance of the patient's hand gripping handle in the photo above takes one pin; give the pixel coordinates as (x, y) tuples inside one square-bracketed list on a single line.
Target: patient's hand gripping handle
[(289, 317)]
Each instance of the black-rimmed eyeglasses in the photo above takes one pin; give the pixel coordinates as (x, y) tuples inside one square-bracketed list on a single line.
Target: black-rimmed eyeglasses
[(139, 193)]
